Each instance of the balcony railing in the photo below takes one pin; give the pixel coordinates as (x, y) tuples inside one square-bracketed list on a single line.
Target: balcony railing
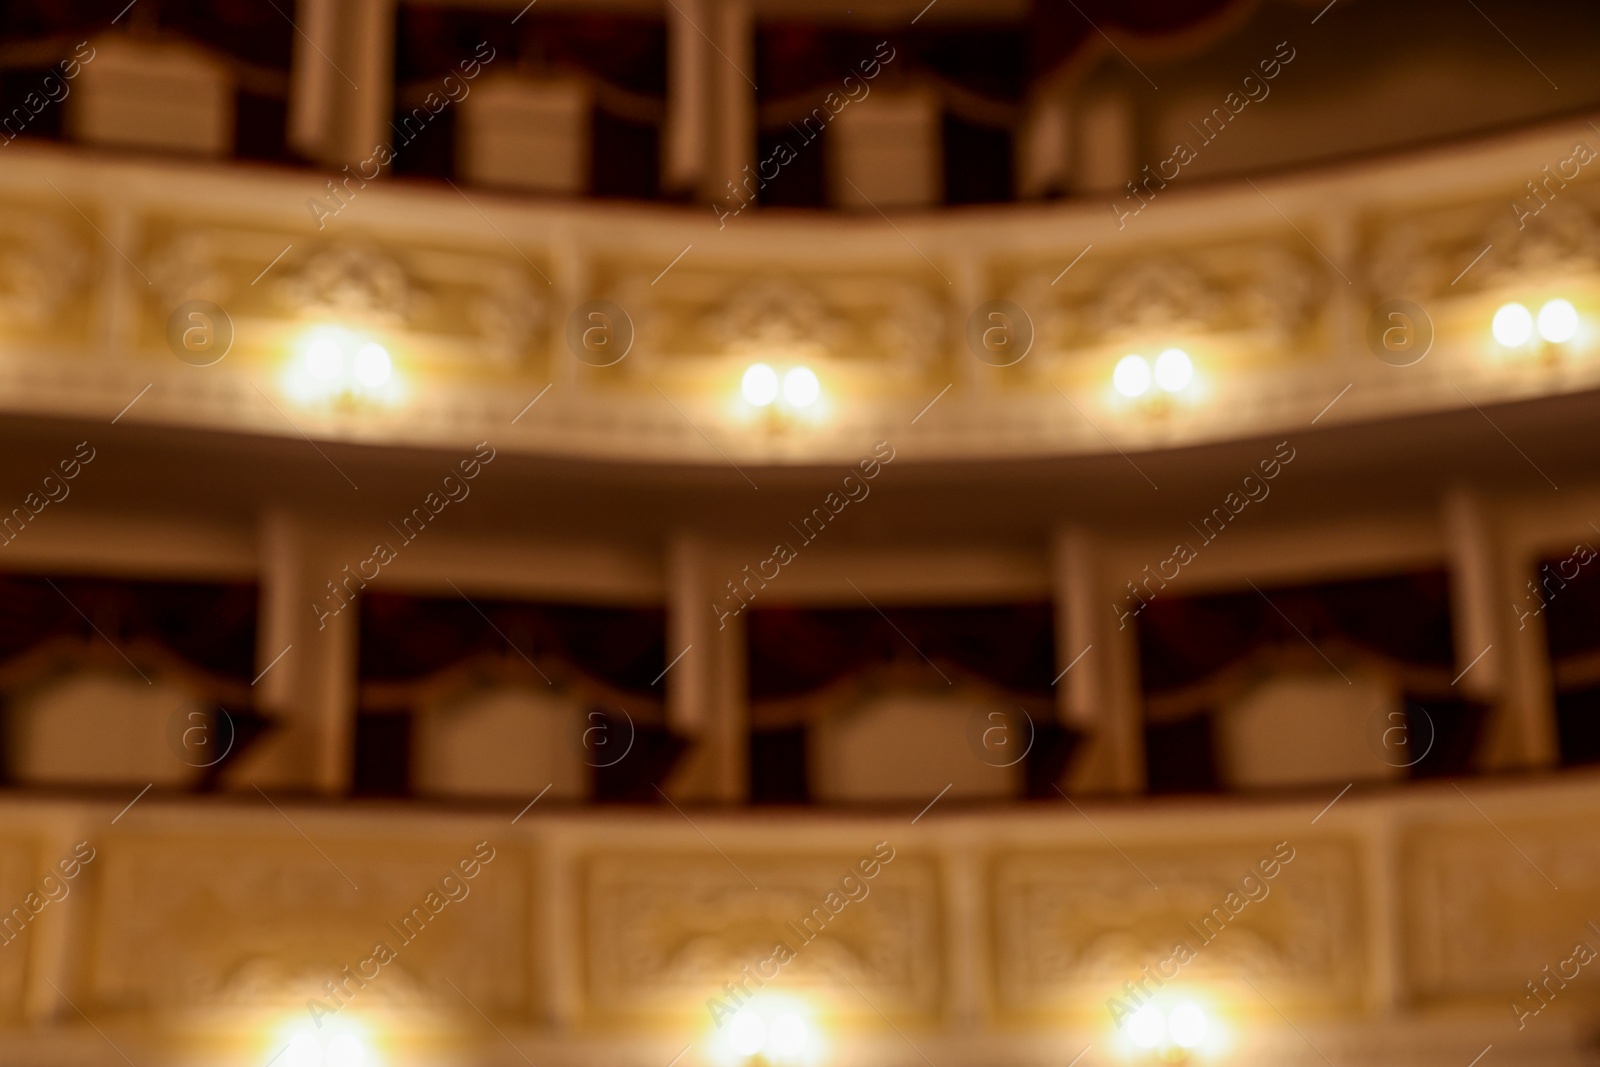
[(1330, 297), (1371, 926)]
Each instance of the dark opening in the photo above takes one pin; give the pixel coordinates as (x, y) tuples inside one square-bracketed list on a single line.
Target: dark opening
[(778, 766), (1179, 757), (800, 182), (977, 163), (383, 754), (626, 158), (1565, 596), (262, 123)]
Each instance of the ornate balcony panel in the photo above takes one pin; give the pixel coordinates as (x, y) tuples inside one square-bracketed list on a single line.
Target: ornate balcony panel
[(1394, 926), (481, 301)]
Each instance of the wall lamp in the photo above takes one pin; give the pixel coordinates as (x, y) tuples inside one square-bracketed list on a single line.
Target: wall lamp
[(335, 363), (768, 1032), (1172, 373), (798, 388), (1514, 325), (1168, 1035)]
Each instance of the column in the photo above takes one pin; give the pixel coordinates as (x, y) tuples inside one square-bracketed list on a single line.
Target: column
[(369, 48), (1099, 695), (340, 88), (735, 94), (689, 618), (1044, 149), (730, 713), (1103, 154), (309, 660), (1512, 676), (313, 98), (687, 151), (706, 690), (48, 942)]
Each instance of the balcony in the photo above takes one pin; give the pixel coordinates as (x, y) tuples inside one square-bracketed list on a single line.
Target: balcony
[(1393, 927), (1278, 294)]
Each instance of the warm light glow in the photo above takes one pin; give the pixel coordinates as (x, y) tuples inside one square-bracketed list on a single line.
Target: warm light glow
[(747, 1033), (372, 365), (344, 1044), (1512, 325), (346, 1050), (1173, 1031), (1147, 1026), (760, 385), (1188, 1026), (1174, 370), (1558, 321), (788, 1037), (1132, 376), (304, 1051), (769, 1031), (335, 362), (324, 359), (800, 387)]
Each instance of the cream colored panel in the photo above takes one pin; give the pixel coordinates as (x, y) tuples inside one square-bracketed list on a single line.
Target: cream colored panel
[(1483, 915), (504, 741), (1309, 727), (911, 747), (102, 727), (526, 133), (252, 921), (837, 322), (887, 153), (1072, 927), (442, 308), (663, 933), (169, 96), (44, 293)]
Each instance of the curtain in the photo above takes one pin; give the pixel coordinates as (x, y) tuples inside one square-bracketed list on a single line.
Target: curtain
[(799, 650), (200, 634), (1196, 653), (209, 626), (623, 54), (408, 639), (804, 661), (414, 649), (808, 662), (1403, 620), (981, 64)]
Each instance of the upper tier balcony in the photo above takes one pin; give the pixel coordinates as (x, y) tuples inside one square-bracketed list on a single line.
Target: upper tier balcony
[(223, 299), (334, 225)]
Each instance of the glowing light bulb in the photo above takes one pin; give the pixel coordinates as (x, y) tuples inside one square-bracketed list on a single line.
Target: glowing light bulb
[(788, 1037), (1188, 1025), (759, 385), (346, 1050), (1147, 1027), (800, 387), (304, 1051), (1131, 376), (1512, 325), (1558, 321), (747, 1033), (372, 365), (324, 359), (1174, 370)]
